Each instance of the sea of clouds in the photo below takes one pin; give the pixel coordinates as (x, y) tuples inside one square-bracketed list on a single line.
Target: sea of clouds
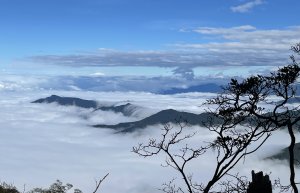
[(40, 143)]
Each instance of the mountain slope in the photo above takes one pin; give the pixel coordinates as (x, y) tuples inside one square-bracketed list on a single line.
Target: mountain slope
[(293, 100), (126, 109), (162, 117), (284, 153)]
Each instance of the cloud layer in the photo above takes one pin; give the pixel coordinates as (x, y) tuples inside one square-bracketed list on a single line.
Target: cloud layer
[(103, 83), (43, 142), (246, 45), (229, 47)]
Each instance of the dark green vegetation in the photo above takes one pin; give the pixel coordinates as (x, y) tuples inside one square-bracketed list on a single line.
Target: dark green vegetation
[(7, 188), (56, 187)]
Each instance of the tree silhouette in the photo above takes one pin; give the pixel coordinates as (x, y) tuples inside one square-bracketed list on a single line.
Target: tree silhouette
[(246, 116), (249, 96)]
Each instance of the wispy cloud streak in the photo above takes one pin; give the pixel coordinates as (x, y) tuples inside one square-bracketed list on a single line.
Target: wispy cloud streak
[(227, 47), (246, 7)]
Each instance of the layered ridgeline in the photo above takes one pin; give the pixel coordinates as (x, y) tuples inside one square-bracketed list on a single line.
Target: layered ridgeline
[(127, 109), (159, 118)]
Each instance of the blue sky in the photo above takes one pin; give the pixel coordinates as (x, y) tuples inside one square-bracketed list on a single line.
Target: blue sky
[(146, 37)]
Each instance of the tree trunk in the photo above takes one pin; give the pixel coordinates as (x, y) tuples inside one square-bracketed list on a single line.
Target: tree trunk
[(292, 158)]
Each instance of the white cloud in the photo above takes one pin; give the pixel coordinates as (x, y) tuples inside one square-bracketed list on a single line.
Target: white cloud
[(250, 38), (225, 47), (246, 7), (219, 49), (97, 74), (21, 82), (245, 45)]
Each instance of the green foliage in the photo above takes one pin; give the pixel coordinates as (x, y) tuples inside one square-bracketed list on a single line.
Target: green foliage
[(8, 188), (57, 187)]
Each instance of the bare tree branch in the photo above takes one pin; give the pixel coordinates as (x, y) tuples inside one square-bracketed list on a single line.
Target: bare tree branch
[(98, 183)]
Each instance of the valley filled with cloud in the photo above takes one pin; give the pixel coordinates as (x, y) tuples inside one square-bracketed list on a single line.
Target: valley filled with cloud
[(42, 142)]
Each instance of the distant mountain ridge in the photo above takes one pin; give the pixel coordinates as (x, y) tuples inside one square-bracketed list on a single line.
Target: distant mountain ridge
[(69, 101), (163, 117), (293, 100), (284, 154), (127, 109), (171, 115), (160, 118)]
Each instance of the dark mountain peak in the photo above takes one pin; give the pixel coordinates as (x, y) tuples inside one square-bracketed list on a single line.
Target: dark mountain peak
[(68, 101), (55, 96), (169, 110), (50, 99)]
